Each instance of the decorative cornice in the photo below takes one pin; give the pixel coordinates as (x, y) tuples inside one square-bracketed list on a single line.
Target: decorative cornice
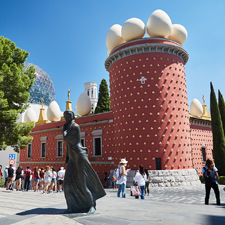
[(146, 48)]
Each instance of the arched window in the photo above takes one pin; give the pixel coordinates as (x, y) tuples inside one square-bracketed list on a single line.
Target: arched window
[(92, 92), (88, 92)]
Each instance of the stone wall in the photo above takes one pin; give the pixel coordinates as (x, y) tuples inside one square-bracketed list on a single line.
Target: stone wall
[(167, 178)]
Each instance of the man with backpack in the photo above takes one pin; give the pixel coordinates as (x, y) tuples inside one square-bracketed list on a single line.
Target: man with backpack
[(27, 174), (210, 175)]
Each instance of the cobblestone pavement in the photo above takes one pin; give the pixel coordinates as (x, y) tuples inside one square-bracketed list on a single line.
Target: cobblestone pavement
[(171, 205)]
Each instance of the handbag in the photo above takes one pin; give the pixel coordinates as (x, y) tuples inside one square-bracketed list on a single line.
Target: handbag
[(135, 191)]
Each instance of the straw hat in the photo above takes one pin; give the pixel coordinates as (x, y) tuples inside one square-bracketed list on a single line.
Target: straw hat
[(123, 161)]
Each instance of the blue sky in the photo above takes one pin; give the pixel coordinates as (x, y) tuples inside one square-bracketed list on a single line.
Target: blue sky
[(67, 38)]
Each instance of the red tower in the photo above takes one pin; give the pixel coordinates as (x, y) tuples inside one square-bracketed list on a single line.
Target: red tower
[(149, 101)]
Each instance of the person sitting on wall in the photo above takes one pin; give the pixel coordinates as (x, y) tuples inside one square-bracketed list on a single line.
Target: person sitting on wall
[(210, 175)]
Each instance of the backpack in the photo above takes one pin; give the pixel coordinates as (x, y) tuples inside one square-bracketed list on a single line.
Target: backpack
[(208, 177), (28, 173), (116, 174)]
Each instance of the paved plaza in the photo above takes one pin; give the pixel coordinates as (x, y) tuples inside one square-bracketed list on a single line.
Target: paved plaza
[(171, 205)]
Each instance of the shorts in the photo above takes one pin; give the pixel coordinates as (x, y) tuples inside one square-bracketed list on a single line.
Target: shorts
[(114, 182), (60, 182), (53, 179), (41, 179), (36, 180)]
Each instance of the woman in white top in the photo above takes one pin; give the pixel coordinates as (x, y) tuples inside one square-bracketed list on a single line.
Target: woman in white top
[(123, 179), (140, 178), (48, 178)]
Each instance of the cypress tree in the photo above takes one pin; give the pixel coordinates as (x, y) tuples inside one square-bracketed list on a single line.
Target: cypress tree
[(103, 104), (218, 133), (15, 82), (222, 109)]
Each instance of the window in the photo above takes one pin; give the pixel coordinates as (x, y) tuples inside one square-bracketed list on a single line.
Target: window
[(158, 163), (203, 154), (29, 149), (88, 92), (97, 146), (82, 141), (59, 148), (92, 92), (43, 149)]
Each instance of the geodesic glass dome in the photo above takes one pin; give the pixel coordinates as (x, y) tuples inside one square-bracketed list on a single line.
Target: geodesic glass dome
[(43, 87)]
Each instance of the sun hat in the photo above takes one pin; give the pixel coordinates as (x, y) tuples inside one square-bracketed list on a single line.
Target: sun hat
[(123, 161)]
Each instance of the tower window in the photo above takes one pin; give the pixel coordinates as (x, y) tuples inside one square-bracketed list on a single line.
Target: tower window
[(43, 149), (29, 150)]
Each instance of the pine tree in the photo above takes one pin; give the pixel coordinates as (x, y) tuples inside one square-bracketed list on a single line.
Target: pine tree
[(103, 104), (15, 82), (218, 133), (222, 109)]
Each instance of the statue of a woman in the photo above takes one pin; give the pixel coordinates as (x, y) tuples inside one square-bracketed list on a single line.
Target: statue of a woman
[(82, 186)]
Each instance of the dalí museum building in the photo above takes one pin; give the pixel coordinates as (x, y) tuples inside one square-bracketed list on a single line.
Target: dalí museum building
[(149, 123)]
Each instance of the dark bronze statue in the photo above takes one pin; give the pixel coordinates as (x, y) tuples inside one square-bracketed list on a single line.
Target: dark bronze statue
[(82, 186)]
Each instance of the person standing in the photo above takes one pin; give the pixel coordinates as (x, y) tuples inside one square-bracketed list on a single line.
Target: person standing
[(53, 182), (10, 177), (210, 175), (123, 179), (36, 178), (18, 178), (147, 181), (48, 179), (6, 176), (27, 174), (41, 181), (61, 175), (140, 178)]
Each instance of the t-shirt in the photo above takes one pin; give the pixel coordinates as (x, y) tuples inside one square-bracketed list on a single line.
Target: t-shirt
[(10, 172), (61, 175), (48, 176), (27, 172), (214, 172), (5, 173)]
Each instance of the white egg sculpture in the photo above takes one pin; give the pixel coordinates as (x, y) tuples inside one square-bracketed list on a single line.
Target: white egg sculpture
[(53, 112), (114, 37), (83, 106), (178, 34), (30, 115), (196, 108), (108, 52), (159, 24), (133, 28)]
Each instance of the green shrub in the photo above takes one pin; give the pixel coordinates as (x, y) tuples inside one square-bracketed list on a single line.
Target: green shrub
[(221, 180), (2, 182), (201, 179)]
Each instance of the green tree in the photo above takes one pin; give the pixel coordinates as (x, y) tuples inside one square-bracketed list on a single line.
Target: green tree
[(103, 104), (15, 82), (218, 133), (222, 109)]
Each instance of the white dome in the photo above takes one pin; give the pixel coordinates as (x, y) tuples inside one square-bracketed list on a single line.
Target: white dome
[(53, 112), (159, 24), (83, 106), (178, 34), (196, 108), (133, 28), (108, 52), (114, 37), (30, 115)]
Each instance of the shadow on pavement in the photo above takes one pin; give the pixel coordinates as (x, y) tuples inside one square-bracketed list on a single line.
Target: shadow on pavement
[(214, 220), (41, 211)]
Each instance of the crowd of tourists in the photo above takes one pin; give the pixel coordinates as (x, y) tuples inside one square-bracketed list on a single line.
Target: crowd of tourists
[(44, 180), (48, 180), (142, 179)]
